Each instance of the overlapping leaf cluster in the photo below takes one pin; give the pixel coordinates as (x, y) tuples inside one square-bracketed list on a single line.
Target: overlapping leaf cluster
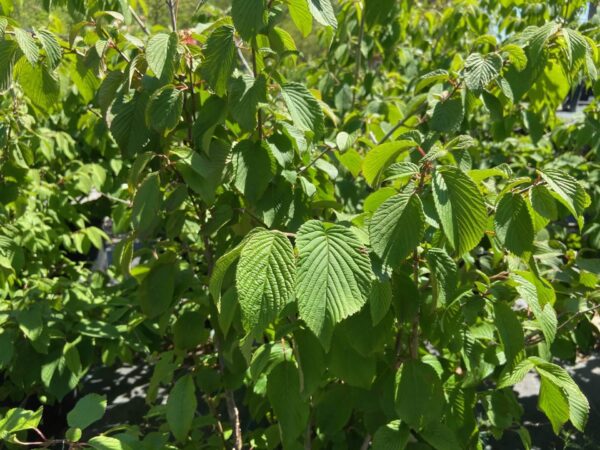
[(320, 223)]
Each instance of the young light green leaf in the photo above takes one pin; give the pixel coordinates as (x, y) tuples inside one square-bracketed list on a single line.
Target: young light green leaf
[(181, 407), (333, 276), (516, 55), (18, 419), (219, 57), (300, 15), (380, 157), (265, 278), (303, 107), (514, 225), (161, 54), (460, 206), (107, 443), (397, 227), (89, 409)]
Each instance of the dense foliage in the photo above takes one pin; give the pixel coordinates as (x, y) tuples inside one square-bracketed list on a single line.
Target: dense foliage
[(328, 224)]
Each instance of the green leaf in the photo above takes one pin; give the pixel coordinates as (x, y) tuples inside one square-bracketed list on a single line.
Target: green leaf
[(128, 125), (540, 296), (460, 207), (447, 115), (333, 276), (516, 55), (51, 47), (419, 397), (245, 95), (8, 50), (323, 12), (107, 443), (303, 107), (157, 288), (181, 407), (553, 402), (397, 227), (510, 332), (516, 375), (254, 168), (188, 331), (579, 407), (223, 263), (108, 89), (18, 419), (164, 109), (27, 45), (392, 436), (300, 15), (265, 278), (292, 411), (380, 157), (39, 85), (249, 17), (480, 70), (514, 225), (161, 54), (440, 437), (146, 204), (433, 77), (444, 274), (219, 57), (89, 409), (568, 191), (380, 300)]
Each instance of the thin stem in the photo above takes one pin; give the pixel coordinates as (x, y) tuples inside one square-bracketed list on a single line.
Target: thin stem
[(312, 163), (232, 409), (259, 118), (536, 338), (358, 57), (366, 443), (139, 21), (172, 5), (238, 46), (414, 335), (401, 123)]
